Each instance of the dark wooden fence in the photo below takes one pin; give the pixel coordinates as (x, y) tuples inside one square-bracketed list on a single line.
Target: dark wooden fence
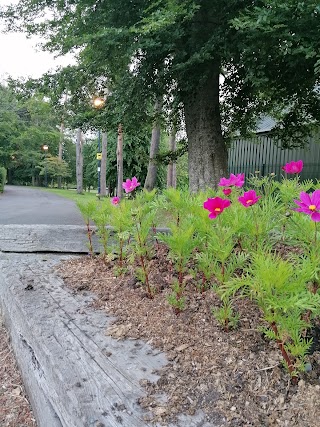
[(263, 155)]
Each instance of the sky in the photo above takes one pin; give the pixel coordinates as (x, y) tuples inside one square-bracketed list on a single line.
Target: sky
[(20, 56)]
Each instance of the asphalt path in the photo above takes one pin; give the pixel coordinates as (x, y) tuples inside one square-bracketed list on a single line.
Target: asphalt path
[(26, 205)]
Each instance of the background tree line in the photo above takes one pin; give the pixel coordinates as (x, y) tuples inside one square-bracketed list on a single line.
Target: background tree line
[(160, 63)]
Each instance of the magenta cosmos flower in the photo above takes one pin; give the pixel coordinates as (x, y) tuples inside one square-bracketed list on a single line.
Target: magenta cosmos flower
[(249, 198), (227, 191), (234, 180), (115, 200), (309, 204), (216, 206), (130, 184), (293, 167)]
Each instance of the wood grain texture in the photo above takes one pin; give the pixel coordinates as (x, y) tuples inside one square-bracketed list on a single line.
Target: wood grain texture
[(77, 376), (45, 238), (49, 238)]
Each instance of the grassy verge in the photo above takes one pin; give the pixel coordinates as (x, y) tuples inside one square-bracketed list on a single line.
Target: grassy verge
[(71, 194)]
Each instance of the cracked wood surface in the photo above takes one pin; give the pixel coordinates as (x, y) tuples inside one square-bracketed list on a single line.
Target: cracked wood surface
[(45, 238), (76, 375), (50, 238)]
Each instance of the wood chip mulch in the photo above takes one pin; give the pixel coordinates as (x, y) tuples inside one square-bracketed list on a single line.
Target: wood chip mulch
[(236, 378), (15, 410)]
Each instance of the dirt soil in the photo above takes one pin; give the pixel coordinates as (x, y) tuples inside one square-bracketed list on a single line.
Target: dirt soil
[(236, 378), (15, 410)]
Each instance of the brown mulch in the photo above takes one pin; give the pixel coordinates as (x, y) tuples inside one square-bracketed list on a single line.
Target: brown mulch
[(236, 378), (15, 410)]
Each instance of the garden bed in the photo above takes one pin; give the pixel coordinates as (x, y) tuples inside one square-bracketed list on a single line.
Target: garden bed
[(236, 378)]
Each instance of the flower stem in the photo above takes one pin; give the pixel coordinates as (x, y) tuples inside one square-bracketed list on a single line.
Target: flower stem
[(89, 233), (254, 217), (284, 353), (142, 260)]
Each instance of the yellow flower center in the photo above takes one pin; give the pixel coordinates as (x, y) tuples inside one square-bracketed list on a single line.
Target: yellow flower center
[(217, 210), (313, 207), (249, 201)]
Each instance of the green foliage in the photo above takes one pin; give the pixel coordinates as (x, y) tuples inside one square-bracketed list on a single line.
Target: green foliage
[(143, 219), (88, 210), (237, 254), (226, 316), (176, 299), (121, 221), (181, 242), (25, 126), (3, 177), (101, 217), (54, 167), (280, 289), (133, 52)]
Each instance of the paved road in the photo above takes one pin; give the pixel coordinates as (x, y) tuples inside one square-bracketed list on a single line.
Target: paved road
[(25, 205)]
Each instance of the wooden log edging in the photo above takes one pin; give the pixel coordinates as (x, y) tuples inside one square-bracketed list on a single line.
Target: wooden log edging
[(45, 238), (74, 374), (50, 238)]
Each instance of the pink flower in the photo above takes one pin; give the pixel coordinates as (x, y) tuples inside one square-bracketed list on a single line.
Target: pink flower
[(249, 198), (234, 180), (227, 191), (293, 167), (309, 204), (130, 184), (216, 206), (115, 200)]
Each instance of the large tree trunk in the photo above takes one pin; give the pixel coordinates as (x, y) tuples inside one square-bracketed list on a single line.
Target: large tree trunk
[(79, 162), (151, 178), (103, 172), (171, 172), (120, 161), (208, 155)]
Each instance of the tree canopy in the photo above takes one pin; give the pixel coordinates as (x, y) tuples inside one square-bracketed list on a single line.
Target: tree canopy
[(134, 52), (25, 127)]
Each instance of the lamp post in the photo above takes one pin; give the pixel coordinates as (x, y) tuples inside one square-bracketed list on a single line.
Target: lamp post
[(99, 103), (45, 149)]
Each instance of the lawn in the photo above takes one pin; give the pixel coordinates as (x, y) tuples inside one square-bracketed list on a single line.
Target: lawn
[(72, 194)]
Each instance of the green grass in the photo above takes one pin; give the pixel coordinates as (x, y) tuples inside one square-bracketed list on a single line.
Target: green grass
[(71, 194)]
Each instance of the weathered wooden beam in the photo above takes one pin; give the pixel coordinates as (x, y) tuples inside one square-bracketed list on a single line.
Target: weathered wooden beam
[(45, 238), (49, 238), (75, 375)]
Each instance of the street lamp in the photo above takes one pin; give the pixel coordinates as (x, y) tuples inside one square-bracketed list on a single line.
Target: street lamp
[(45, 149), (99, 103)]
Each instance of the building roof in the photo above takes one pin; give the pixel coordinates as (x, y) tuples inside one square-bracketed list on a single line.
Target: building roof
[(265, 124)]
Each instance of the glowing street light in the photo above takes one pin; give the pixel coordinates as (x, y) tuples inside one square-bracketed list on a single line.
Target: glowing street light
[(45, 149), (99, 103)]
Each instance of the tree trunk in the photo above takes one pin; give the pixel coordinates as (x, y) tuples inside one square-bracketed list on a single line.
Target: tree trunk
[(60, 150), (208, 155), (79, 162), (103, 172), (171, 172), (120, 161), (151, 178)]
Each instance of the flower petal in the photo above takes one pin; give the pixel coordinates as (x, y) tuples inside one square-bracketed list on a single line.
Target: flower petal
[(315, 198), (315, 216), (209, 205), (213, 215), (305, 198)]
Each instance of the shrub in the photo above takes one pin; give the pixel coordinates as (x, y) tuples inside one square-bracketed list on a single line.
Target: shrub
[(3, 176)]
